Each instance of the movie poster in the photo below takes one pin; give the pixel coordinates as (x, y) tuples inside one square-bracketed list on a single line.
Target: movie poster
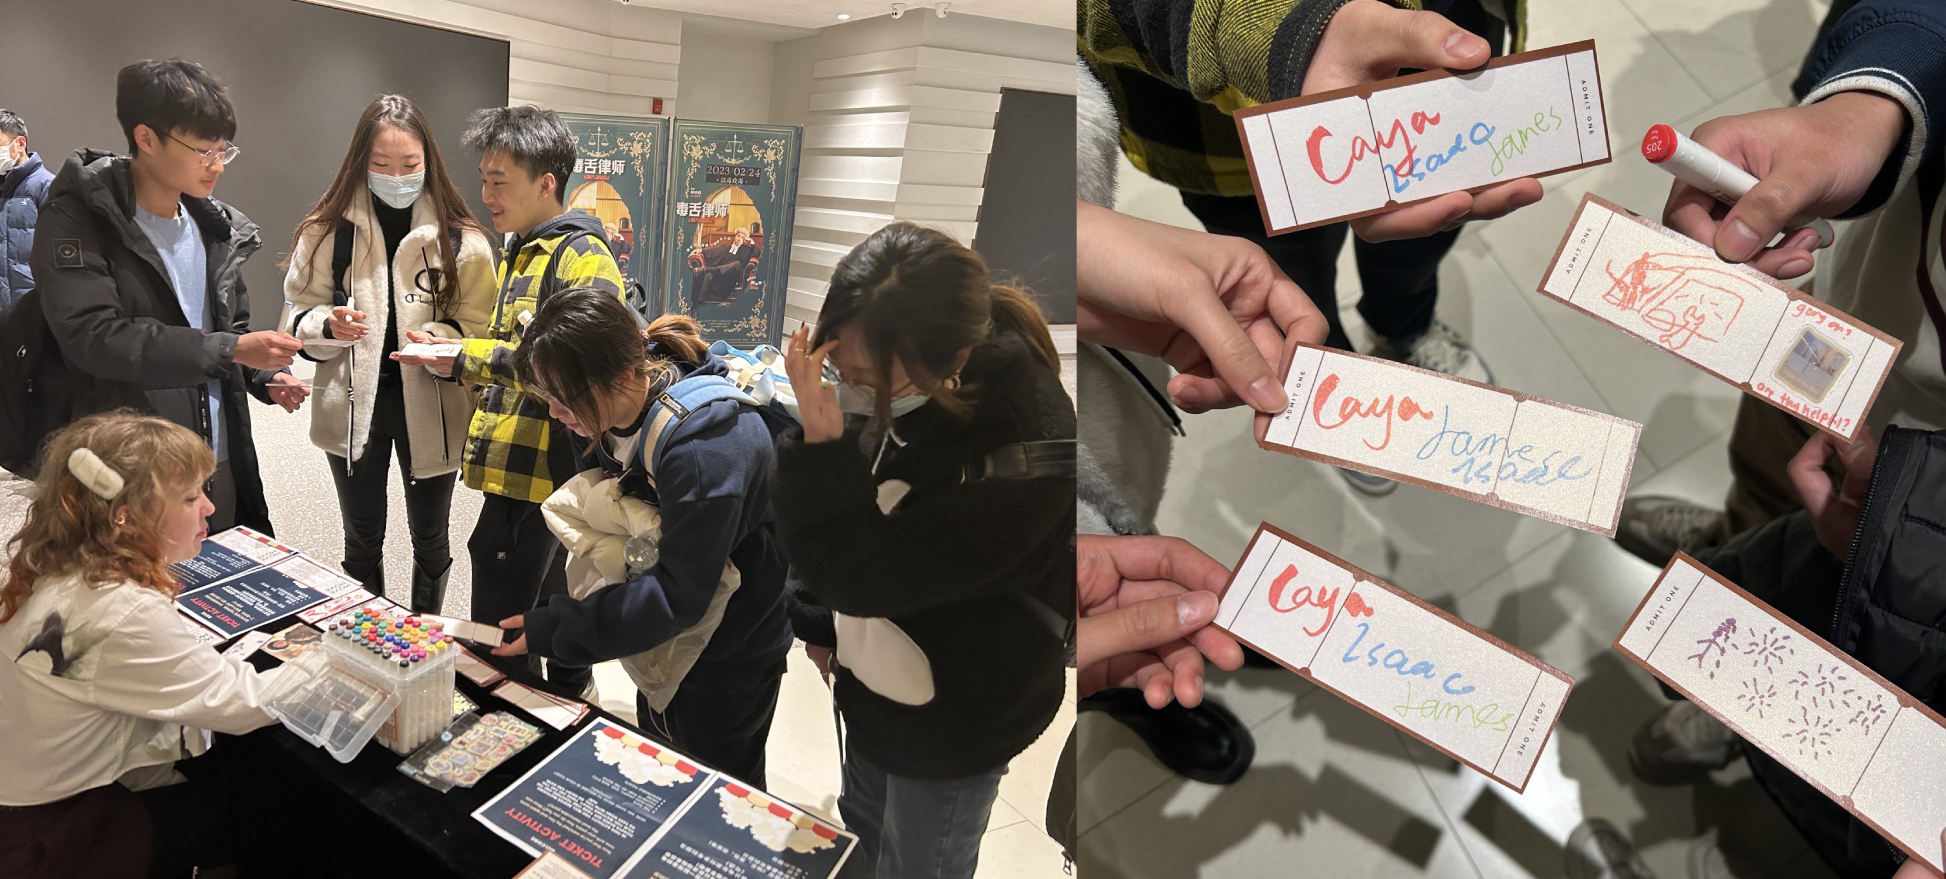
[(620, 175), (732, 194)]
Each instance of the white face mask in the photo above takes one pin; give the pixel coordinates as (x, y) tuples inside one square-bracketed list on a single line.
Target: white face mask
[(863, 400), (7, 162), (399, 192)]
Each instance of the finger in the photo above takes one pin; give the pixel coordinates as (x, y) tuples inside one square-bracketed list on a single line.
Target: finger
[(1415, 221), (1222, 650), (1859, 457), (1760, 214), (1295, 313), (514, 622), (1504, 199), (1692, 212), (1806, 469), (1143, 625), (1425, 40), (1196, 395), (1784, 262), (1164, 558), (1234, 357)]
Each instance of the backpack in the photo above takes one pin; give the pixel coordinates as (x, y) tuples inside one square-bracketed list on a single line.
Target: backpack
[(36, 388), (632, 292), (673, 406), (757, 373)]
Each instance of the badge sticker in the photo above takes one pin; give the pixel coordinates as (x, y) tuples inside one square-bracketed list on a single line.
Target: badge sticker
[(67, 253)]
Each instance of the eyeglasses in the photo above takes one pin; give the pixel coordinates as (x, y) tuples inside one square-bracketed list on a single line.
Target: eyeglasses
[(220, 156)]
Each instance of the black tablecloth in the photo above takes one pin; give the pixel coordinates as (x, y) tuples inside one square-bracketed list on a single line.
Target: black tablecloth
[(313, 816)]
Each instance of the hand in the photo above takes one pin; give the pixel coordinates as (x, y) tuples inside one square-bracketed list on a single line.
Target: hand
[(1834, 513), (344, 323), (1144, 604), (440, 366), (817, 405), (518, 646), (1214, 306), (1367, 41), (266, 349), (1808, 161), (288, 391), (820, 657)]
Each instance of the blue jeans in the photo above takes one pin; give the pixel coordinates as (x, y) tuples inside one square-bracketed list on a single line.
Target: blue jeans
[(910, 828)]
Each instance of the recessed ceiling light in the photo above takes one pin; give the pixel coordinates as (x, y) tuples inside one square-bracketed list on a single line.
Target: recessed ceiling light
[(844, 16)]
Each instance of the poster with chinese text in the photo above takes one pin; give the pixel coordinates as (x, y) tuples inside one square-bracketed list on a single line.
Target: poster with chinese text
[(732, 194), (620, 175)]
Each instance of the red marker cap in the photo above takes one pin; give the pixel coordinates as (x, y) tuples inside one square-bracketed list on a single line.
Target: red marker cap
[(1659, 144)]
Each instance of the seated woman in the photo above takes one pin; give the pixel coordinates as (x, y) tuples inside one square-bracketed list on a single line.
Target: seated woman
[(103, 687)]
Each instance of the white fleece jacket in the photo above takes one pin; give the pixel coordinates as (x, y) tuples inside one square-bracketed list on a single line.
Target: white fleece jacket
[(436, 412)]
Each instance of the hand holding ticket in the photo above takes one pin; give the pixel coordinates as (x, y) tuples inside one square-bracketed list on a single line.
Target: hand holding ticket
[(422, 349)]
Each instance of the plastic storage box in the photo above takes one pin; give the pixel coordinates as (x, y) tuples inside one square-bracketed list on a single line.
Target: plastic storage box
[(415, 660), (332, 706)]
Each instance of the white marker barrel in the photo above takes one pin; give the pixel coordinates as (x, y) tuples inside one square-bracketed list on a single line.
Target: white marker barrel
[(1696, 165)]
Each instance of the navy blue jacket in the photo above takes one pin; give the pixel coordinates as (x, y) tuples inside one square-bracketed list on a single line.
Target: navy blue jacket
[(1896, 48), (715, 489), (22, 192)]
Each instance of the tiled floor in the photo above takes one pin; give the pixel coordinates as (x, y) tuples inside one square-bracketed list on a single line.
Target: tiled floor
[(802, 757), (1334, 792)]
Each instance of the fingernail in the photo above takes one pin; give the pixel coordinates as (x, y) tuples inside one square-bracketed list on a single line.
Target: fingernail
[(1267, 395), (1196, 608), (1188, 397), (1737, 242), (1795, 267), (1199, 683), (1463, 44)]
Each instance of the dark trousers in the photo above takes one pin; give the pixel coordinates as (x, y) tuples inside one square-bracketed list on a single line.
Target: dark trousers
[(363, 491), (725, 725), (221, 490), (517, 564), (109, 832)]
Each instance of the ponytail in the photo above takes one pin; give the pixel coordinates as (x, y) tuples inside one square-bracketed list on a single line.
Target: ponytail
[(1014, 310)]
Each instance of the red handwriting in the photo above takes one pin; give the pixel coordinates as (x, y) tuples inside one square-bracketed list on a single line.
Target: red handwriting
[(1805, 309), (1360, 147), (1349, 408), (1810, 412), (1302, 597)]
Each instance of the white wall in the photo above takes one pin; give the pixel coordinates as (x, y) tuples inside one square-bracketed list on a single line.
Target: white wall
[(898, 121), (725, 78)]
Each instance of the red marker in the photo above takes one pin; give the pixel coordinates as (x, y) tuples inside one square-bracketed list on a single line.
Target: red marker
[(1694, 164)]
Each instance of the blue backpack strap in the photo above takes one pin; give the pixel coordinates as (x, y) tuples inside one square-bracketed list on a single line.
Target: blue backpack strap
[(671, 407)]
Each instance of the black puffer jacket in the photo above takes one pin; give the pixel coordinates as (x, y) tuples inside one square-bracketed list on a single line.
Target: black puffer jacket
[(119, 325), (948, 588), (1886, 607)]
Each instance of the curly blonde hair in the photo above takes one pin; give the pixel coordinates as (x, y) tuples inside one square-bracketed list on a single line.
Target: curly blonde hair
[(69, 526)]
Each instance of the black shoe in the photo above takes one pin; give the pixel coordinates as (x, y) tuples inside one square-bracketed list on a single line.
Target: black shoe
[(1206, 743), (428, 591)]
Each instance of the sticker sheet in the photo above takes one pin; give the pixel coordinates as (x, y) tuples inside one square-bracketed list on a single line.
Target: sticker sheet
[(1356, 151), (1442, 681), (1770, 340), (1866, 744), (1511, 450)]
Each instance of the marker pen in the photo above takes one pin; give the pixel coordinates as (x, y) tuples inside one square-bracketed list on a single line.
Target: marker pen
[(1694, 164)]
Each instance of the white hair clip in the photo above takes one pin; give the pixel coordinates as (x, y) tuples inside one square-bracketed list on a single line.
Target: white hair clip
[(94, 473)]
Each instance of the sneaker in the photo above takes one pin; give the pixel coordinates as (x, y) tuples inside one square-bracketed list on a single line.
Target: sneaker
[(1439, 349), (1709, 859), (1366, 483), (1682, 744), (1596, 850), (1653, 528)]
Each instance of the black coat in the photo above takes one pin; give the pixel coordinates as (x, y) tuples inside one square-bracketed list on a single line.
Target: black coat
[(119, 325), (1886, 607), (958, 566)]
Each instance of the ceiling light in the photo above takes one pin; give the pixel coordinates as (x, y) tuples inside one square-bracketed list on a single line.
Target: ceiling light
[(844, 16)]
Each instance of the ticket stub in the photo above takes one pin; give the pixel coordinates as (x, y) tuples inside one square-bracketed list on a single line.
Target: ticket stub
[(1355, 151), (1511, 450), (1869, 746), (1439, 679), (1771, 341)]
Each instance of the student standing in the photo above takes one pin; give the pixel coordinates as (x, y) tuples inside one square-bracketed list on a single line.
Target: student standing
[(514, 452), (416, 264), (712, 690), (23, 189), (105, 689), (934, 535), (139, 273)]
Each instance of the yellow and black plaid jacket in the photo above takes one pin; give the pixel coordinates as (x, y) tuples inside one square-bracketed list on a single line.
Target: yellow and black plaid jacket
[(507, 443), (1177, 69)]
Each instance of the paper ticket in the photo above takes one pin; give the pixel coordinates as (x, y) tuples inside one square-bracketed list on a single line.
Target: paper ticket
[(1866, 744), (1362, 150), (431, 349), (468, 630), (1731, 321), (1442, 681), (1514, 451)]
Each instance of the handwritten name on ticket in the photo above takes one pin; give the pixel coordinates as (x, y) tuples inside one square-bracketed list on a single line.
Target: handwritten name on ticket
[(1770, 340), (1362, 150), (1488, 444), (1410, 664), (1863, 742)]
